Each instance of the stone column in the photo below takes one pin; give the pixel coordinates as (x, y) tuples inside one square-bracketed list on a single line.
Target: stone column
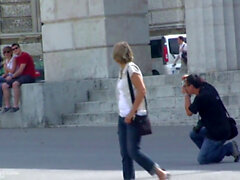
[(236, 15), (78, 36), (166, 17), (212, 32)]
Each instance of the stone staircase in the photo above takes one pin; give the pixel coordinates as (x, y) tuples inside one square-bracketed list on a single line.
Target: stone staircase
[(165, 101)]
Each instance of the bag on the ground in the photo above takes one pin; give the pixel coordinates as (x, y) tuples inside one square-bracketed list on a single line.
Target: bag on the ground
[(233, 127), (142, 123)]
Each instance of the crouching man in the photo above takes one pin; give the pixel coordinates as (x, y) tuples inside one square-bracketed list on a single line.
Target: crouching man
[(213, 129)]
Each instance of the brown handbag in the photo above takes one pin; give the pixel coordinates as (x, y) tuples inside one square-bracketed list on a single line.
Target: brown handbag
[(142, 123)]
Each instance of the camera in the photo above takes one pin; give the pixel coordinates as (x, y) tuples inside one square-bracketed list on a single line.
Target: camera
[(198, 127)]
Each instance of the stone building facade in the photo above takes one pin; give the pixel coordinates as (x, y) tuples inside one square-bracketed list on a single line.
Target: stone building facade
[(166, 17), (20, 22), (213, 21), (76, 37)]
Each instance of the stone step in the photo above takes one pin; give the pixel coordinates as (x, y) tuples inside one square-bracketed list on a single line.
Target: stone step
[(105, 83), (101, 95), (155, 89), (167, 93), (155, 103), (111, 118), (162, 80), (165, 100), (12, 120), (111, 106), (96, 106), (227, 88), (217, 78), (159, 116), (231, 100), (86, 119), (159, 80), (153, 92)]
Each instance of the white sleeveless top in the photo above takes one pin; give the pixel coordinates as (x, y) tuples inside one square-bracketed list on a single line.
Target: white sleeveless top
[(9, 64)]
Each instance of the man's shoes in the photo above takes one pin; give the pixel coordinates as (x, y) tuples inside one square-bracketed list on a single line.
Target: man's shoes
[(6, 109), (236, 152), (14, 109)]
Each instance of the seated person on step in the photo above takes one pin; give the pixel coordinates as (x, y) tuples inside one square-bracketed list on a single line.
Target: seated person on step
[(25, 73)]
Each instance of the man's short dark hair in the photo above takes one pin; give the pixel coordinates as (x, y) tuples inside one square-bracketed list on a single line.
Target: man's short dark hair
[(15, 44), (181, 38), (195, 80)]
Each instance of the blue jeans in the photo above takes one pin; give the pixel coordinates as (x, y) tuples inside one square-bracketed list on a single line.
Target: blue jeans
[(211, 151), (129, 141)]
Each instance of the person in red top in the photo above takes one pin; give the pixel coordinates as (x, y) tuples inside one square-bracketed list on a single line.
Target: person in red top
[(25, 73)]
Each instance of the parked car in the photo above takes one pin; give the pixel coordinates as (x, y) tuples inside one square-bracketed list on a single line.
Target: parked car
[(164, 50)]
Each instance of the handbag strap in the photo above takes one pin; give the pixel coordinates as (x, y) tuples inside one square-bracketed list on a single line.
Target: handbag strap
[(131, 91), (183, 47)]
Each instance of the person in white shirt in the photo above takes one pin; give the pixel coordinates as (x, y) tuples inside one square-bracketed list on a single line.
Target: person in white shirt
[(182, 52), (129, 137)]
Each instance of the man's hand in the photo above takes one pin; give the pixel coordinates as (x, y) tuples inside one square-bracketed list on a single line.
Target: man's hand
[(184, 90)]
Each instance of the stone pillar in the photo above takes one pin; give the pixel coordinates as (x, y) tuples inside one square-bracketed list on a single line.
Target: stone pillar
[(236, 15), (166, 17), (212, 32), (78, 36)]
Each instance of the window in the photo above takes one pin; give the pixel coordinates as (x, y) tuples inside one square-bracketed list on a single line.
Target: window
[(156, 48), (173, 46)]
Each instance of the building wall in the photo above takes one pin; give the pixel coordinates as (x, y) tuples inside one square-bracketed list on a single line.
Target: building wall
[(16, 16), (166, 17), (213, 35), (20, 22), (78, 42)]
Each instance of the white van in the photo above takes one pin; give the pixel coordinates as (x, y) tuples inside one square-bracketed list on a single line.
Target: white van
[(164, 50)]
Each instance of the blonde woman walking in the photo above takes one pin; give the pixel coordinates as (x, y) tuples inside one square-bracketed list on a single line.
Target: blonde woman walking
[(129, 138)]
